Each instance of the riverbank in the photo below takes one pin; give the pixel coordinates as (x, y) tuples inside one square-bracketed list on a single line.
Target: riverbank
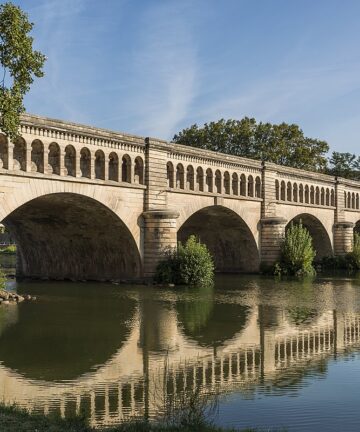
[(15, 420)]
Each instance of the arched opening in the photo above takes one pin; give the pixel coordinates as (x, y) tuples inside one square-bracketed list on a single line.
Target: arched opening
[(4, 152), (235, 184), (327, 198), (100, 165), (113, 167), (283, 191), (54, 159), (257, 187), (20, 154), (180, 176), (321, 239), (37, 156), (289, 192), (126, 169), (227, 236), (250, 186), (301, 193), (200, 179), (139, 170), (70, 236), (85, 162), (277, 190), (243, 185), (332, 198), (170, 174), (317, 195), (70, 161), (218, 181), (322, 196), (227, 182), (295, 192), (209, 180), (190, 178), (307, 195)]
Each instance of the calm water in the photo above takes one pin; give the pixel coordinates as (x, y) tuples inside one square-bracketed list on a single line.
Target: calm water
[(280, 353)]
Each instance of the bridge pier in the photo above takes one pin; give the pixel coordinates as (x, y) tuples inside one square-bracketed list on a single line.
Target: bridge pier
[(343, 238), (272, 235)]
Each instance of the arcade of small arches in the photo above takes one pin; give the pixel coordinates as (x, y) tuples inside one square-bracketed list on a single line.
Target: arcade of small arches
[(351, 200), (83, 163), (300, 193), (205, 180)]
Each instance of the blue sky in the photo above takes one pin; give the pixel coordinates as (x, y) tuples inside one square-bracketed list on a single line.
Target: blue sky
[(154, 67)]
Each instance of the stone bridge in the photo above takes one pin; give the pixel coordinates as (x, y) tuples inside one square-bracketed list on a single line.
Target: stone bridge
[(88, 203)]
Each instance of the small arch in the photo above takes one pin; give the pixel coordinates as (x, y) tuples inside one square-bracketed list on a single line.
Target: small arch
[(250, 186), (353, 201), (257, 187), (100, 165), (200, 179), (218, 181), (301, 193), (4, 152), (322, 196), (54, 159), (317, 195), (126, 169), (332, 198), (20, 154), (113, 167), (85, 162), (139, 170), (37, 156), (295, 192), (357, 201), (289, 192), (235, 184), (190, 177), (209, 180), (243, 185), (180, 176), (345, 200), (312, 195), (349, 200), (227, 182), (170, 174), (307, 194), (277, 190), (283, 191), (327, 197), (70, 161)]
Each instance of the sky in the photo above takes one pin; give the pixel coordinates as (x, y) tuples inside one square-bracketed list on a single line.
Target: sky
[(154, 67)]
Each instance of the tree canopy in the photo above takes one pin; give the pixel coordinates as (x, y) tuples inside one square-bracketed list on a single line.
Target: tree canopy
[(283, 144), (345, 165), (20, 65)]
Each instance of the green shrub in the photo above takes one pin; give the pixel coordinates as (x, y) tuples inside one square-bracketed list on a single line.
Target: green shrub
[(297, 252), (355, 254), (190, 264)]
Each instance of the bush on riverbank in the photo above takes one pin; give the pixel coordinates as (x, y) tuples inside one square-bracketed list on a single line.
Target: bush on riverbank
[(8, 250), (349, 262), (189, 264), (297, 253)]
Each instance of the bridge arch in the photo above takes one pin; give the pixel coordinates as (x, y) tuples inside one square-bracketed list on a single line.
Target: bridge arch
[(227, 235), (71, 233), (318, 232)]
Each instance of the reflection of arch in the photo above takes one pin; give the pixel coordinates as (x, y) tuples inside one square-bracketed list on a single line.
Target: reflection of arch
[(100, 165), (227, 236), (85, 162), (113, 167), (37, 156), (70, 243), (321, 239), (70, 161), (139, 171), (4, 151), (54, 159), (92, 344)]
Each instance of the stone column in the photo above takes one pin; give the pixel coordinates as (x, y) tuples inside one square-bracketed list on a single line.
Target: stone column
[(92, 167), (272, 235), (106, 167), (10, 161), (28, 159), (160, 233)]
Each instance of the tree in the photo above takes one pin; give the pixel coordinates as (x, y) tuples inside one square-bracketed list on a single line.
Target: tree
[(283, 144), (344, 165), (20, 64)]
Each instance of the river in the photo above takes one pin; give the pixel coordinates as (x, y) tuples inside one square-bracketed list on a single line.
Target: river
[(278, 353)]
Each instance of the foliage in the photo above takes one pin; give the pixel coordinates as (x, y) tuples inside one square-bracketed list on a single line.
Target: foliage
[(8, 250), (283, 144), (189, 264), (345, 165), (349, 262), (20, 62), (355, 254), (297, 252)]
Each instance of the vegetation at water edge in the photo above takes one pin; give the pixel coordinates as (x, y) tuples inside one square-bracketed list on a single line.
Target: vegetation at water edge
[(190, 264)]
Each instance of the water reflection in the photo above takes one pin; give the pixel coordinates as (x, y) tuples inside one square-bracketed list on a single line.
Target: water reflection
[(101, 348)]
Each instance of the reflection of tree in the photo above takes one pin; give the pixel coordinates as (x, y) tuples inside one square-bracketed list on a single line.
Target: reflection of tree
[(300, 314), (208, 322)]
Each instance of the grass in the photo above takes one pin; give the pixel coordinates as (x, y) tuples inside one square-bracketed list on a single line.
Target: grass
[(13, 419), (8, 250)]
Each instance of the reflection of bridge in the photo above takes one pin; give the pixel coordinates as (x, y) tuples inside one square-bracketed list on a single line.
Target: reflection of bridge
[(135, 380), (102, 205)]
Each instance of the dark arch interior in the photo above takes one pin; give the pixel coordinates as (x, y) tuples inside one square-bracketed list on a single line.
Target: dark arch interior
[(69, 236), (321, 240), (228, 238)]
